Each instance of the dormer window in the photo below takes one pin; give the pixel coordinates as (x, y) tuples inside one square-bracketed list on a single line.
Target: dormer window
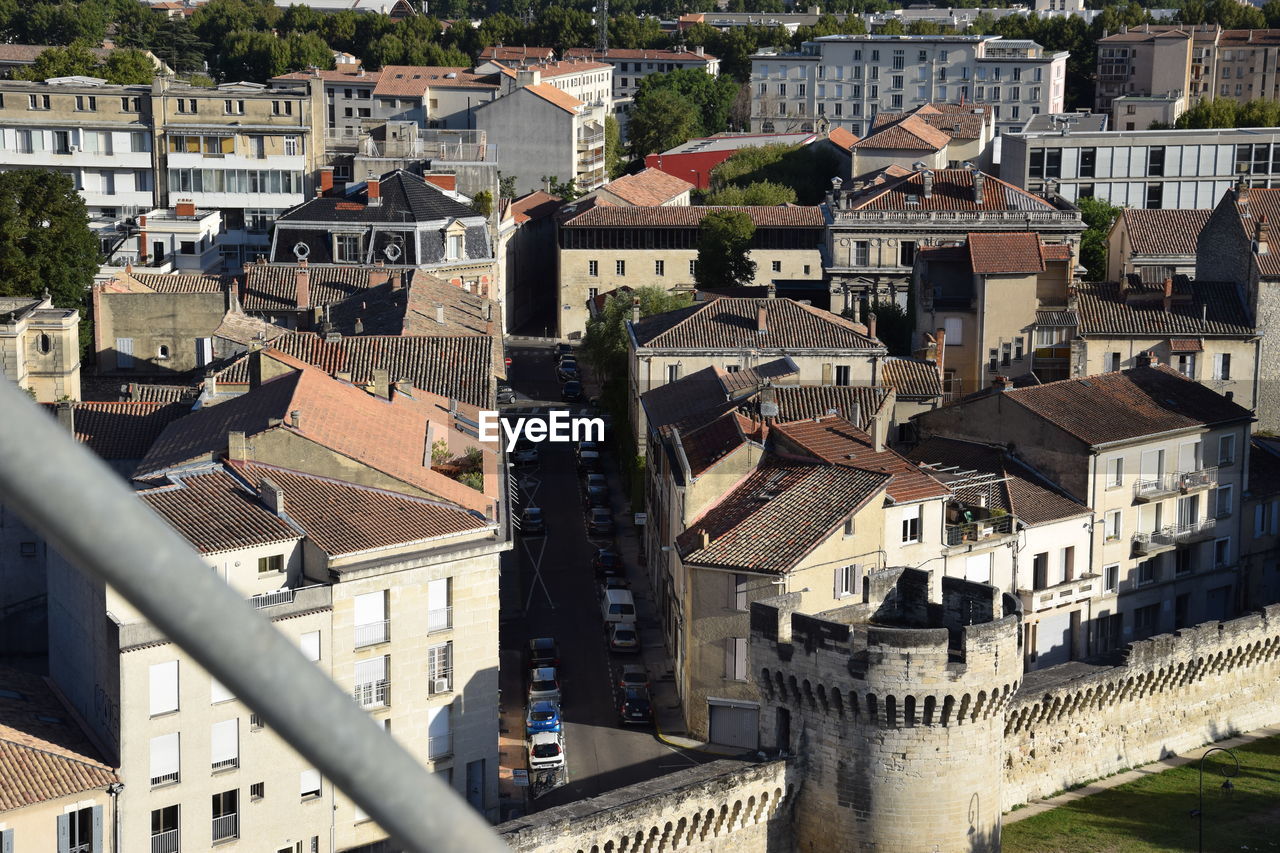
[(347, 248), (455, 249)]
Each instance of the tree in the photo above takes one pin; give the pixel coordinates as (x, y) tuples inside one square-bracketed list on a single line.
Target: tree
[(482, 203), (604, 345), (755, 193), (567, 190), (304, 50), (128, 67), (724, 246), (612, 147), (73, 60), (894, 325), (45, 241), (1098, 216), (660, 121), (176, 43), (250, 55), (506, 186), (892, 27), (712, 97)]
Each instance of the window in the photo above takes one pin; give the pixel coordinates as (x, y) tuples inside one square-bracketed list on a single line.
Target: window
[(124, 353), (953, 328), (843, 374), (907, 253), (164, 759), (233, 108), (738, 592), (164, 828), (187, 105), (455, 248), (1006, 354), (861, 253), (291, 146), (846, 581), (1110, 362), (440, 669), (347, 248), (225, 744), (1147, 571), (620, 268), (1144, 620), (1221, 553), (38, 102), (309, 783), (282, 108), (439, 732), (257, 790), (1111, 577), (1182, 562), (1115, 472), (371, 625), (693, 267), (593, 268), (86, 103), (1222, 365), (1019, 348), (1155, 196), (673, 372), (164, 688), (1112, 525), (79, 831), (1226, 450), (310, 643), (1040, 570), (776, 266), (1222, 501), (977, 568), (373, 688), (1155, 161), (659, 268), (61, 142), (735, 658), (218, 692), (269, 565), (131, 105), (911, 524), (1185, 364), (782, 89)]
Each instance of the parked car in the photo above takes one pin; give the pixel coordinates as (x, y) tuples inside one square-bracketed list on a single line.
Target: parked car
[(595, 491), (571, 391), (634, 675), (542, 716), (543, 651), (614, 583), (617, 605), (563, 349), (589, 463), (506, 394), (532, 522), (544, 685), (636, 707), (607, 563), (525, 453), (546, 751), (623, 638), (588, 444), (600, 521), (567, 369)]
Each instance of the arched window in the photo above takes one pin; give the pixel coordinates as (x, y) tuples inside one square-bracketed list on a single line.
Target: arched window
[(162, 352), (44, 344)]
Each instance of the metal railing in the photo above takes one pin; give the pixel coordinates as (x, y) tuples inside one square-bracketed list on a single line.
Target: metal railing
[(373, 694), (226, 762), (440, 746), (165, 842), (440, 680), (373, 633), (974, 531), (1172, 535), (164, 779), (271, 599), (227, 826), (440, 619), (1176, 481)]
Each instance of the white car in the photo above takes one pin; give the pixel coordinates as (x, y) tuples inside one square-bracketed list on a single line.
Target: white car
[(546, 751), (543, 684)]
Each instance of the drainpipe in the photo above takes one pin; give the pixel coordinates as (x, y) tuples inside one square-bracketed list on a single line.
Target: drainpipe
[(115, 789)]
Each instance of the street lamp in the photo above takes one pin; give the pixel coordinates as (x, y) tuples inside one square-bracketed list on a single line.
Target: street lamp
[(1227, 788)]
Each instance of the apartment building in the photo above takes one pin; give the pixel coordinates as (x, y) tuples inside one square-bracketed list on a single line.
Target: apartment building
[(402, 615), (525, 248), (846, 80), (1247, 65), (969, 129), (1151, 169), (877, 223), (1260, 523), (40, 347), (632, 66), (605, 247), (1159, 459), (586, 79), (1154, 244)]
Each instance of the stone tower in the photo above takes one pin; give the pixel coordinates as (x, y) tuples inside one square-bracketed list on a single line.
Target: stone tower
[(40, 347), (894, 712)]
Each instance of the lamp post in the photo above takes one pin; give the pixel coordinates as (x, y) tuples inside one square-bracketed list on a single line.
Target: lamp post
[(1227, 788)]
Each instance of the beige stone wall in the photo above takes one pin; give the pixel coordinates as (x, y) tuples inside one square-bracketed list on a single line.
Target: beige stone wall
[(152, 320), (721, 807), (1243, 352), (36, 827)]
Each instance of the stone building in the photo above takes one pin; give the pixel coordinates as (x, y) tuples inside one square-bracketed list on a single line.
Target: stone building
[(632, 65), (1154, 244), (525, 249), (970, 130), (1260, 525), (40, 347)]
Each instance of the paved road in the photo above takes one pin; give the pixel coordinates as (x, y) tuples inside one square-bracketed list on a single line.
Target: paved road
[(560, 599)]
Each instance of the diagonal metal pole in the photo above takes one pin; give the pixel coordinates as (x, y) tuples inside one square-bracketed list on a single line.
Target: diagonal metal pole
[(95, 520)]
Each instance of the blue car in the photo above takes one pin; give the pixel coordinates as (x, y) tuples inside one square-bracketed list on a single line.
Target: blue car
[(543, 716)]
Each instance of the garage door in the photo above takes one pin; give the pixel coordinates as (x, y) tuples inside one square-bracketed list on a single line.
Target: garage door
[(734, 723)]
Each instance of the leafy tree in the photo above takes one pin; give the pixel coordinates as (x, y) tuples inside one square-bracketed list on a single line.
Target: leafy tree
[(178, 45), (482, 203), (301, 19), (604, 345), (45, 241), (63, 23), (724, 246), (506, 186), (300, 51), (712, 96), (924, 28), (250, 55), (807, 169), (72, 60), (1098, 216), (754, 193), (661, 120), (612, 147), (892, 27), (128, 67), (894, 325), (567, 190)]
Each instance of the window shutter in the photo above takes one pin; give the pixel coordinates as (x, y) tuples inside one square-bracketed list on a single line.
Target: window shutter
[(124, 352), (371, 608), (308, 782), (740, 658), (438, 594), (438, 721), (370, 671), (64, 833), (225, 741), (218, 692), (6, 841), (838, 582), (311, 645), (97, 830), (728, 658), (164, 687), (164, 755), (1259, 520)]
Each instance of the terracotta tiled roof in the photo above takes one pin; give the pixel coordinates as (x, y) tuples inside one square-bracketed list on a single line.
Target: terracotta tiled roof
[(910, 134), (408, 81), (534, 205), (648, 187), (911, 377), (837, 442), (752, 378), (554, 96), (1004, 254), (43, 753), (243, 329), (1249, 38), (1185, 345), (1198, 308), (1055, 251), (957, 121), (856, 403), (777, 516), (335, 76), (1163, 232), (952, 190), (1126, 404), (345, 518), (180, 283), (688, 216), (1057, 318), (708, 444), (216, 513), (121, 430), (1023, 491), (1262, 203), (729, 323), (1264, 468), (153, 392), (550, 70), (842, 138), (640, 53), (510, 53), (458, 367), (1147, 33), (274, 287)]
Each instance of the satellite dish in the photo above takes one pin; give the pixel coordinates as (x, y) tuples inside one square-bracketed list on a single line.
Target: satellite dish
[(301, 250)]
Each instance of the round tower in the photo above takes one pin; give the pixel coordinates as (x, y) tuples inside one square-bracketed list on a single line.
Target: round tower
[(894, 711)]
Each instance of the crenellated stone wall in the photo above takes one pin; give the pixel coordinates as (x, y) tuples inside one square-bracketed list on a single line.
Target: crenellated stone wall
[(721, 807)]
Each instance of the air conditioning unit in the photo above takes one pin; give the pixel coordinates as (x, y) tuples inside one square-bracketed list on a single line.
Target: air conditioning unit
[(440, 685)]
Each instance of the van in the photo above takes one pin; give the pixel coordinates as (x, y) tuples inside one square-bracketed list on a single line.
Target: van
[(618, 606)]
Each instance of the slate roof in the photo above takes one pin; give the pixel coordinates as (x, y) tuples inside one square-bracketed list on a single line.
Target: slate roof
[(122, 430), (952, 190), (1198, 308), (1005, 253), (911, 377), (691, 216), (346, 518), (406, 198), (648, 187), (1126, 404), (216, 513), (458, 367), (44, 755), (779, 514), (1022, 491), (1163, 232), (911, 133), (835, 441), (732, 323)]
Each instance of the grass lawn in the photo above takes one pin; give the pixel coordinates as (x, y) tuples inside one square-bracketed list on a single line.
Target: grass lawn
[(1154, 813)]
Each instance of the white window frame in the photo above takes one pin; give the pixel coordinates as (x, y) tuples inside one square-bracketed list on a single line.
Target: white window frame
[(1113, 525), (1115, 472), (846, 581), (911, 533), (163, 688), (1112, 572)]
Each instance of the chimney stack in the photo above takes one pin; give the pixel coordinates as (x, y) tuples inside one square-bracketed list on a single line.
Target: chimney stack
[(295, 419), (635, 309), (704, 538), (402, 386), (210, 383), (440, 313), (237, 446), (926, 178), (762, 320), (302, 285), (382, 383), (67, 416), (978, 180), (871, 323), (373, 191), (1144, 359), (326, 179), (1000, 383), (255, 365), (184, 207), (273, 496), (879, 431), (773, 290), (1261, 234), (939, 350), (1242, 190), (1168, 294)]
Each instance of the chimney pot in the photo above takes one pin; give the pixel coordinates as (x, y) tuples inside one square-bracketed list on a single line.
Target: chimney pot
[(67, 416), (440, 313), (382, 383), (272, 495), (871, 323), (635, 309), (773, 290), (295, 419), (704, 539)]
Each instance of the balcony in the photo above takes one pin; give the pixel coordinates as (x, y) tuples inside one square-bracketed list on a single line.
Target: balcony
[(1168, 538), (440, 681), (374, 694), (165, 842), (227, 826), (373, 634), (440, 746), (271, 599), (979, 530), (225, 763), (1175, 483), (1067, 592), (164, 779), (440, 619)]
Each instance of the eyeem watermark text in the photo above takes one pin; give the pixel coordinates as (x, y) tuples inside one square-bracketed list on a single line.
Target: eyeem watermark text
[(557, 426)]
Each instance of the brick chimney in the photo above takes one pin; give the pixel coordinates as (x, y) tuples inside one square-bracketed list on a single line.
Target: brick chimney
[(1261, 234), (67, 416), (185, 207), (939, 352), (1000, 383), (1144, 359), (1168, 294), (302, 286), (373, 191), (326, 179), (1242, 190), (273, 496), (979, 180), (762, 320), (871, 323)]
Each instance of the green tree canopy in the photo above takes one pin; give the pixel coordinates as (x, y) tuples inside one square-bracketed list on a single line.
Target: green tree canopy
[(482, 203), (45, 241), (711, 97), (613, 161), (128, 67), (724, 246), (605, 344), (1098, 216), (662, 120), (754, 193), (178, 45), (73, 60)]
